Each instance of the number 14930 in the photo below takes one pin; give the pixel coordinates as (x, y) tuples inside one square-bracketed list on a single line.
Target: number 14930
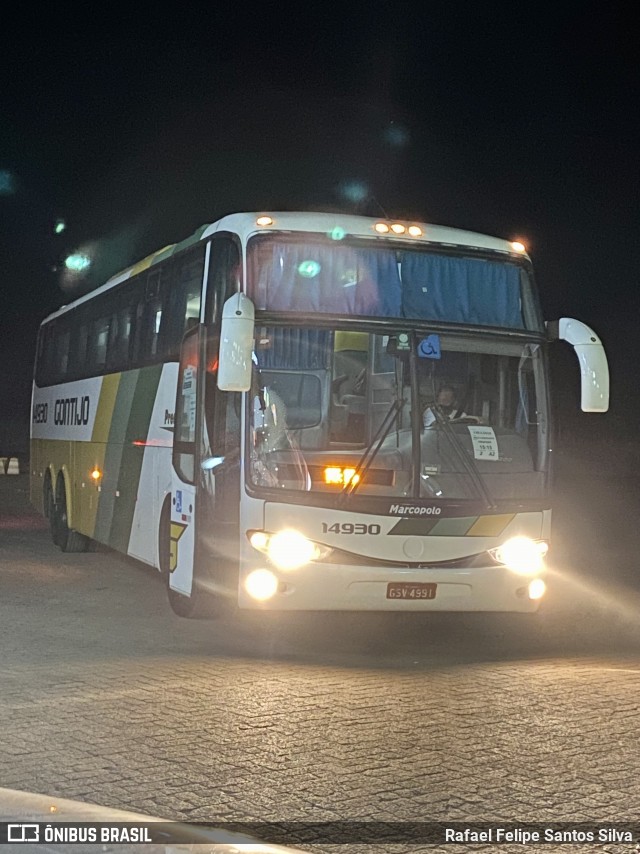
[(350, 528)]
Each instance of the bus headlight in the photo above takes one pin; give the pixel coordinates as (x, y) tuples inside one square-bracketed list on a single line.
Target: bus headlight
[(288, 549), (521, 555), (261, 584)]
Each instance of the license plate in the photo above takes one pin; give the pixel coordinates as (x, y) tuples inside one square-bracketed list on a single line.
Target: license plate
[(411, 590)]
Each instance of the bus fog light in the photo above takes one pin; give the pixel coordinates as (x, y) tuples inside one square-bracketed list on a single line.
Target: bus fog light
[(261, 584), (537, 588), (521, 555)]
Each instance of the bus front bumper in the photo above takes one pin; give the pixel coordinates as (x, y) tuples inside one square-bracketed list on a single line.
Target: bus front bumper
[(331, 587)]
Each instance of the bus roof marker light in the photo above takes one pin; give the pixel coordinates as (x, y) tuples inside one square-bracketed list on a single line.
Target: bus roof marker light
[(415, 231), (518, 246), (264, 220), (96, 474), (398, 228), (381, 227)]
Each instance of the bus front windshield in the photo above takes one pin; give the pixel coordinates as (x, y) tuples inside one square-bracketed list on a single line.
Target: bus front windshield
[(407, 414)]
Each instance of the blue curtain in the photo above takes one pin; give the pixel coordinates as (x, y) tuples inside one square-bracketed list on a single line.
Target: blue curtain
[(329, 279), (339, 279), (461, 290), (296, 349)]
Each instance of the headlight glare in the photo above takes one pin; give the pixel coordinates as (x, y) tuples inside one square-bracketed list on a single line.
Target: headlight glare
[(537, 588), (288, 549), (261, 584), (521, 555), (259, 540)]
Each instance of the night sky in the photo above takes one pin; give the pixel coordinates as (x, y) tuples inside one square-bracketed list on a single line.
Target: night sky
[(519, 121)]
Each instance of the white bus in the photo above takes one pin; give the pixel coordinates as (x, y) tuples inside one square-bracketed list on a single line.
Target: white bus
[(297, 411)]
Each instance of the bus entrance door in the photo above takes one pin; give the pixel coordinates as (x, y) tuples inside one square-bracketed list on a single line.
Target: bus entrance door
[(186, 444)]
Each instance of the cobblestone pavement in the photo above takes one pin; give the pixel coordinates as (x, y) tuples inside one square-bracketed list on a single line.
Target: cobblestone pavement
[(107, 697)]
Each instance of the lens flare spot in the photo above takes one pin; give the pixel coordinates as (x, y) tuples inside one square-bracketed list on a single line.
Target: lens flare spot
[(308, 269), (77, 263), (354, 191), (7, 183)]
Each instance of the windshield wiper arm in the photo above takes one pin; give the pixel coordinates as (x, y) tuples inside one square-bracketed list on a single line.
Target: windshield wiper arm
[(467, 461), (363, 464)]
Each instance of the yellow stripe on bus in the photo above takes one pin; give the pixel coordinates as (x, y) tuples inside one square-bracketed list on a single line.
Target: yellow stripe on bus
[(490, 526), (104, 413), (148, 261), (89, 457)]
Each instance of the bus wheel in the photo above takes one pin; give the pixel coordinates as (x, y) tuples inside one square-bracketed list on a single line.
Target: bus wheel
[(182, 606), (190, 607), (164, 535), (47, 497), (67, 539), (199, 606)]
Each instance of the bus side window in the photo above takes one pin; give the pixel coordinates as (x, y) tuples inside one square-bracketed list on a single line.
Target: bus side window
[(62, 354), (149, 320), (231, 422), (48, 357), (81, 345), (183, 300), (121, 326), (98, 341), (226, 443), (225, 275)]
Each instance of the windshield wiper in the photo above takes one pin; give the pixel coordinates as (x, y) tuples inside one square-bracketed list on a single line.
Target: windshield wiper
[(467, 461), (370, 452)]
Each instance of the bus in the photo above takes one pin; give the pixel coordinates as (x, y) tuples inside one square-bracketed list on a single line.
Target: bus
[(311, 411)]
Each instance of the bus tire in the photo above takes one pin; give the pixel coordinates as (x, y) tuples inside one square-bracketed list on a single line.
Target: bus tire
[(199, 606), (64, 537), (164, 535), (182, 606), (192, 607), (47, 497)]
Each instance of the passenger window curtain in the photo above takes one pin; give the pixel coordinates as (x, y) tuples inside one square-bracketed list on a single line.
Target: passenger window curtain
[(461, 290), (294, 348), (328, 279), (339, 279)]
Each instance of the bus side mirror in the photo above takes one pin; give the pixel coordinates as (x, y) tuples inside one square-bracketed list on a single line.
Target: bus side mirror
[(236, 344), (594, 369)]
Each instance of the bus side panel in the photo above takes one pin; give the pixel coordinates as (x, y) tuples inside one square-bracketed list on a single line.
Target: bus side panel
[(125, 441), (155, 474), (63, 421), (126, 444)]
